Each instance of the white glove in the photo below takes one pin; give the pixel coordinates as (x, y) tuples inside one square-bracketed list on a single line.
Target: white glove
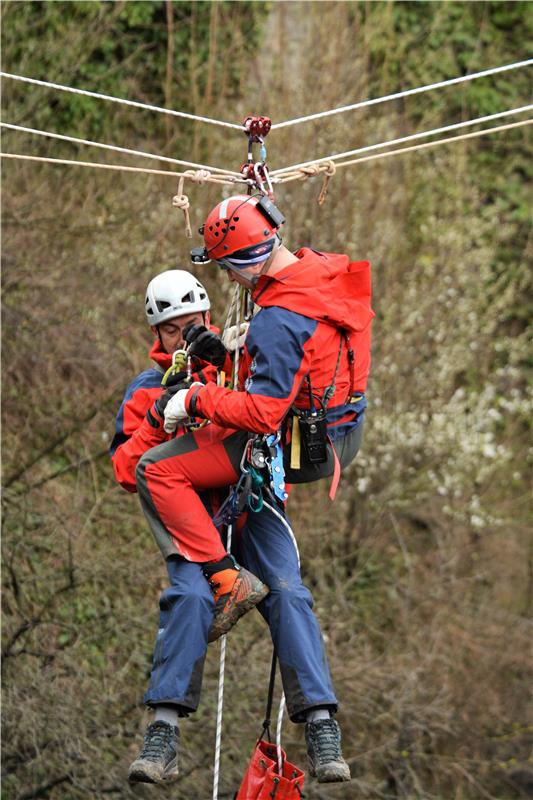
[(175, 410), (229, 337)]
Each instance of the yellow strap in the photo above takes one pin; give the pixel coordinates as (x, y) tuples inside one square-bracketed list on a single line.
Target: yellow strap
[(166, 376), (221, 378), (295, 443)]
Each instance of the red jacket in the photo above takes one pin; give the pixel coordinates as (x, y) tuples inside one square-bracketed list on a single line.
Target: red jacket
[(307, 311), (133, 433)]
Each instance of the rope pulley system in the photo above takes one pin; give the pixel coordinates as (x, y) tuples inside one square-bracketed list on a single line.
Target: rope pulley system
[(254, 174)]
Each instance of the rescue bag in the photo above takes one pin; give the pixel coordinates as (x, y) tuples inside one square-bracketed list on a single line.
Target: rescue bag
[(263, 779)]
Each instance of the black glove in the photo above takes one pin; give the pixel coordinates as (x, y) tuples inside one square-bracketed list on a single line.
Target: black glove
[(204, 344), (176, 378)]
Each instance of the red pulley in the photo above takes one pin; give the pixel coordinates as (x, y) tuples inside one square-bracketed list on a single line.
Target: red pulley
[(251, 171), (256, 127), (247, 171)]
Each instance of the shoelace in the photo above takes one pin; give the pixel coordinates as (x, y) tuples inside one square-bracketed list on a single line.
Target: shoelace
[(324, 737), (215, 588), (159, 734)]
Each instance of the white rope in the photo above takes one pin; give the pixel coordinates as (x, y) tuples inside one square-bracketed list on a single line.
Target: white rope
[(285, 522), (237, 348), (280, 179), (120, 100), (230, 180), (234, 301), (115, 149), (234, 306), (407, 92), (409, 138), (220, 703), (281, 711), (308, 172), (439, 141)]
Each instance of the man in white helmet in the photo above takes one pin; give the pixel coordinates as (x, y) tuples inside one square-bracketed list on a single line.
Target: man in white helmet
[(175, 300)]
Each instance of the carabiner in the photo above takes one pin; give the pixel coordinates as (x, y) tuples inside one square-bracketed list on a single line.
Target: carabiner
[(258, 168), (179, 363), (269, 182)]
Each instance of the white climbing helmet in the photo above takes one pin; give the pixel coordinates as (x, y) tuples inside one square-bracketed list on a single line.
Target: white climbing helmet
[(172, 294)]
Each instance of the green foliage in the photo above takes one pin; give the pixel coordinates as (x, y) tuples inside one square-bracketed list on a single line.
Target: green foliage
[(124, 47)]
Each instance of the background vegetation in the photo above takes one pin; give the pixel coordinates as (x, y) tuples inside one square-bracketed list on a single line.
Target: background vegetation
[(422, 570)]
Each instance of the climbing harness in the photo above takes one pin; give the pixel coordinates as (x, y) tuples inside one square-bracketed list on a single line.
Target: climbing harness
[(262, 473)]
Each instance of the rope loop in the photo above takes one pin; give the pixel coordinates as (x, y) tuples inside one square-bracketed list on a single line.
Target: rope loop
[(199, 176), (309, 171), (180, 200), (330, 171)]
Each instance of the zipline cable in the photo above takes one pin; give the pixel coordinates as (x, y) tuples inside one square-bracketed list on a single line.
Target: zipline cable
[(286, 123), (411, 137), (425, 145), (428, 87), (285, 178), (116, 149), (134, 103), (196, 176)]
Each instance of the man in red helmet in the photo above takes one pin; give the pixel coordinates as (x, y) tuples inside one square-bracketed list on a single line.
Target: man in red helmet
[(303, 375)]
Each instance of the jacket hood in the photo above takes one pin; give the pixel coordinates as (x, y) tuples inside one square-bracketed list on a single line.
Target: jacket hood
[(161, 358), (327, 287)]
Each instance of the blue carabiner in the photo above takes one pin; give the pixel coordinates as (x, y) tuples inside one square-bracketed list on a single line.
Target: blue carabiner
[(277, 470)]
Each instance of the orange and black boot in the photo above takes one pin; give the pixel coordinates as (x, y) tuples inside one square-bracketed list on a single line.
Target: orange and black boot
[(236, 591)]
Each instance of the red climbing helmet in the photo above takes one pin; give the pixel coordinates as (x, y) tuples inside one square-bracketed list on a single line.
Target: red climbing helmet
[(240, 222)]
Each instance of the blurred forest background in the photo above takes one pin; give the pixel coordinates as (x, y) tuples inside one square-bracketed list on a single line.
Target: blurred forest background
[(422, 570)]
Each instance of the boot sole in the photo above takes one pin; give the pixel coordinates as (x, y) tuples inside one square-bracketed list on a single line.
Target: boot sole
[(225, 622), (141, 774), (331, 773)]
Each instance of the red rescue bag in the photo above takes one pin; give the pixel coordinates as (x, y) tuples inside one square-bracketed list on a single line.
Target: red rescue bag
[(262, 780)]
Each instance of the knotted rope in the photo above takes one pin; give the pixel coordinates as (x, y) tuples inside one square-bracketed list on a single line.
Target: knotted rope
[(310, 171), (180, 200), (331, 169)]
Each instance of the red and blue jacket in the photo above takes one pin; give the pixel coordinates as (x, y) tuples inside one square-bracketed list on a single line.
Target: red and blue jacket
[(314, 313), (134, 434)]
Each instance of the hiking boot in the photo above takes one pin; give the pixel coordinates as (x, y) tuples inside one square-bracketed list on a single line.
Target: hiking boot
[(158, 759), (236, 592), (326, 763)]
